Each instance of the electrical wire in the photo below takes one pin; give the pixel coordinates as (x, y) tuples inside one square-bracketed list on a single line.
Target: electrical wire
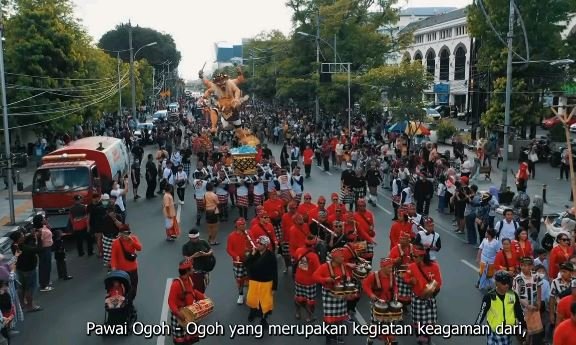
[(47, 77)]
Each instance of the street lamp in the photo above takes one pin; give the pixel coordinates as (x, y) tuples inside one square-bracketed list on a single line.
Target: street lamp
[(132, 57), (6, 131)]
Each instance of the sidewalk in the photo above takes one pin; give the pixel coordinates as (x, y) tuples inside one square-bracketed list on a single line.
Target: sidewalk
[(22, 200), (557, 193)]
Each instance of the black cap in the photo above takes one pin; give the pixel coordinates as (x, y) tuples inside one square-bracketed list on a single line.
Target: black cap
[(567, 266), (503, 277)]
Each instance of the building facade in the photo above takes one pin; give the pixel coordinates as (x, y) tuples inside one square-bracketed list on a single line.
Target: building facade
[(442, 44), (227, 54)]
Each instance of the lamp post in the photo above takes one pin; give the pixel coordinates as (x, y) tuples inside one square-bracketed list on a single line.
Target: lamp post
[(119, 86), (132, 57), (6, 131)]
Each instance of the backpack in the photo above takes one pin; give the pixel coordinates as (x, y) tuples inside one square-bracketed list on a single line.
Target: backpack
[(501, 223)]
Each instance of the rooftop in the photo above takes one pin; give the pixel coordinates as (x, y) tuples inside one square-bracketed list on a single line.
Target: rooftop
[(426, 11), (435, 20)]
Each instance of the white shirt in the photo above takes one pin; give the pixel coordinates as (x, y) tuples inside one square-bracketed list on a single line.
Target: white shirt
[(508, 229), (168, 175), (429, 241), (408, 199), (284, 181), (395, 189), (339, 149), (181, 176), (199, 188), (489, 250), (119, 200), (298, 184), (258, 187)]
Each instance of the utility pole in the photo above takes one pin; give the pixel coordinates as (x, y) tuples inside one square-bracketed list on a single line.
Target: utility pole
[(132, 81), (503, 187), (6, 131), (318, 65), (119, 86), (335, 54), (152, 102)]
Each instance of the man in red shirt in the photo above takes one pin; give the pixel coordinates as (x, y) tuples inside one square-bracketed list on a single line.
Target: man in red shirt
[(338, 216), (566, 331), (123, 256), (334, 205), (563, 308), (365, 224), (237, 246), (400, 226), (308, 156), (264, 228), (307, 262), (297, 235), (307, 208)]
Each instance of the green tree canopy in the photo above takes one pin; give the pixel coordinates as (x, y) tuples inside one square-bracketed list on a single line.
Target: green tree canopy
[(164, 50)]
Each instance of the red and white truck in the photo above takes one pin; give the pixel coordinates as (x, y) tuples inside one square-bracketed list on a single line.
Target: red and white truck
[(85, 167)]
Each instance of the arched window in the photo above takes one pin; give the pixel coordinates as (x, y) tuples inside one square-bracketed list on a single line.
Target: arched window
[(431, 62), (460, 64), (445, 65), (418, 56)]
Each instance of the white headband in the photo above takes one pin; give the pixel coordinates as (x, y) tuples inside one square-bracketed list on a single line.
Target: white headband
[(194, 235)]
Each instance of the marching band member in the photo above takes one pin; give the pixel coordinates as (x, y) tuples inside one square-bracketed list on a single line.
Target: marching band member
[(307, 207), (269, 181), (426, 280), (274, 207), (338, 216), (320, 206), (212, 211), (238, 246), (264, 228), (428, 238), (199, 194), (297, 182), (414, 218), (259, 212), (323, 236), (283, 234), (334, 205), (242, 196), (297, 235), (399, 227), (335, 308), (262, 280), (307, 262), (381, 286), (346, 184), (402, 255), (258, 191), (340, 239), (182, 294), (285, 186), (222, 193), (366, 227)]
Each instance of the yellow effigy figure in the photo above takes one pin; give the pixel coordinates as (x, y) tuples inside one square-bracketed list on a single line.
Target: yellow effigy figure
[(229, 99)]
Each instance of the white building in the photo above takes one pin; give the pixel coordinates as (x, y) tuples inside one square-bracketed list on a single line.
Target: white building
[(442, 44)]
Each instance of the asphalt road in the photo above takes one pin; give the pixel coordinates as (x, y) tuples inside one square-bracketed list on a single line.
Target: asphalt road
[(72, 304)]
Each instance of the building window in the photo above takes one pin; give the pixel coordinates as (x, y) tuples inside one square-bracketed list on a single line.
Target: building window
[(444, 34), (431, 62), (460, 64), (461, 30), (418, 57), (431, 37), (444, 65), (419, 39)]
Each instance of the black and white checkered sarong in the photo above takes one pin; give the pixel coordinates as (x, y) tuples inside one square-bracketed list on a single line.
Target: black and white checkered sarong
[(305, 293), (107, 249), (333, 307), (346, 198), (404, 290), (240, 271), (179, 334), (499, 339), (424, 311)]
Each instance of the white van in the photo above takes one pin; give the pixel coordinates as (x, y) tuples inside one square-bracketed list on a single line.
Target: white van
[(160, 114)]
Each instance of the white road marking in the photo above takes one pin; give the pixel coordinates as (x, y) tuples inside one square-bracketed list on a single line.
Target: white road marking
[(475, 268), (164, 315), (360, 318), (322, 169), (383, 209)]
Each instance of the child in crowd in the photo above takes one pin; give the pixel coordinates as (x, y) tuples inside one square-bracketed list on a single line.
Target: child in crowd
[(541, 258), (115, 296)]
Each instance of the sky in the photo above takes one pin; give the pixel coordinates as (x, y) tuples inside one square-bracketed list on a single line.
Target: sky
[(192, 23)]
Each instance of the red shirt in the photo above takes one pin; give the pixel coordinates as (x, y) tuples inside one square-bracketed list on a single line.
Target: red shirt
[(563, 308), (513, 262), (118, 260), (527, 251), (297, 237), (287, 223), (258, 157), (308, 155), (307, 208), (274, 208), (397, 229), (237, 246), (558, 255), (341, 275), (254, 221), (333, 218), (331, 209), (401, 253), (387, 283), (365, 223), (564, 333), (263, 230), (306, 267), (178, 298), (432, 272)]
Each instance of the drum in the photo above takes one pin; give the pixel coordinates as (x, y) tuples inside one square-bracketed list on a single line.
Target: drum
[(237, 263), (350, 289), (197, 311), (402, 269), (379, 309), (394, 313), (361, 271), (359, 247), (338, 290)]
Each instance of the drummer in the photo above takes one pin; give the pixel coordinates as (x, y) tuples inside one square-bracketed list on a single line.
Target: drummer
[(329, 275), (307, 207), (307, 262), (426, 280), (182, 294), (282, 234), (402, 256), (237, 246), (366, 228), (380, 286), (400, 226)]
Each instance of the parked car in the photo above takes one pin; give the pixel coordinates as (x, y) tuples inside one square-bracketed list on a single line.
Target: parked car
[(554, 120), (432, 113), (138, 133), (160, 114), (573, 128)]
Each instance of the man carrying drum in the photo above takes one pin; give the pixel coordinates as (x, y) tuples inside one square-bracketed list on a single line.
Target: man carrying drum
[(182, 294), (333, 276), (307, 262), (239, 245), (426, 280), (366, 228), (381, 288), (402, 255)]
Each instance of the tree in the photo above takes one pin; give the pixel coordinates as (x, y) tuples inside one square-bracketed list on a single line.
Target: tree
[(164, 50), (544, 21)]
